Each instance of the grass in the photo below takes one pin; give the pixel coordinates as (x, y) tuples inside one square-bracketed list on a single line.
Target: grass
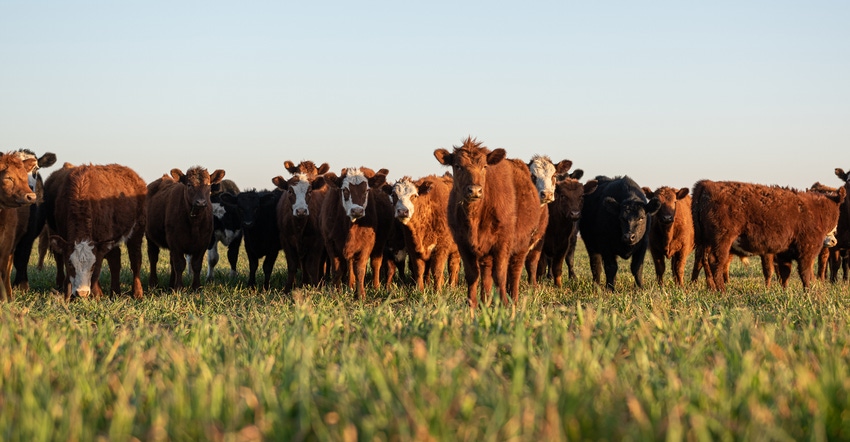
[(573, 364)]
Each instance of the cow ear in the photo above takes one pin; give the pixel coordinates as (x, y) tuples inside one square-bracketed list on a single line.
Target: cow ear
[(47, 160), (839, 197), (57, 244), (839, 172), (611, 205), (216, 176), (280, 183), (577, 174), (377, 180), (388, 189), (444, 157), (290, 167), (331, 178), (496, 156), (324, 168), (590, 186), (563, 166), (425, 187), (177, 175), (318, 182), (683, 192), (652, 206), (647, 191), (228, 198)]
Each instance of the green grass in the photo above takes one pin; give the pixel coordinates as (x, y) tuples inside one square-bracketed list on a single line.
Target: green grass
[(578, 363)]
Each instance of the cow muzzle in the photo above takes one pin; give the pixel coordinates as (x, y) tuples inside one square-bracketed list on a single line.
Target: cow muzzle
[(547, 197), (474, 193), (197, 207), (28, 198), (301, 213), (630, 238), (356, 213)]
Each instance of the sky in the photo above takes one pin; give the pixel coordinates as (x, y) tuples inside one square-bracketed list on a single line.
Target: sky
[(667, 92)]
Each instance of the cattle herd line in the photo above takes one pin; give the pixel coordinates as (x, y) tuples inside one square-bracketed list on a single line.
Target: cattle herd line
[(493, 214)]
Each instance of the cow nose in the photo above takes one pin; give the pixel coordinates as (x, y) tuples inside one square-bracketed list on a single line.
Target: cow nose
[(629, 238), (547, 197), (83, 293), (667, 218), (30, 198), (301, 212), (575, 214), (474, 192), (357, 212), (402, 213), (200, 203)]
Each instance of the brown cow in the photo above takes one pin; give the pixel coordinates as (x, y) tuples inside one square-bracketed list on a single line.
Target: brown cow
[(671, 235), (30, 218), (493, 213), (761, 220), (420, 206), (306, 167), (559, 242), (180, 219), (14, 193), (351, 226), (97, 209)]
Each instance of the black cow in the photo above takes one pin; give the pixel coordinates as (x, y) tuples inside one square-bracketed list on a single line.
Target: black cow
[(559, 242), (227, 228), (614, 222), (258, 212), (31, 220)]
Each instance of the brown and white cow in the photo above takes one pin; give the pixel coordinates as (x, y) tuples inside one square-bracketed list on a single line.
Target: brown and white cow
[(351, 225), (420, 206), (559, 242), (98, 208), (306, 167), (14, 193), (493, 211), (671, 235), (30, 217), (761, 220), (180, 219)]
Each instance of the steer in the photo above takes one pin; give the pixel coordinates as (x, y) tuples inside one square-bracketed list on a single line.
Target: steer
[(14, 193)]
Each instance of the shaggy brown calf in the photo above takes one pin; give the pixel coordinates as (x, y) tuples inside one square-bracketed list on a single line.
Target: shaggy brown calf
[(14, 193), (180, 219), (671, 235), (97, 209), (351, 225), (420, 207), (493, 214), (559, 242), (761, 220)]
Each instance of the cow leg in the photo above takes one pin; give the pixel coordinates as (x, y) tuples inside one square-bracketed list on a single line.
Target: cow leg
[(823, 257), (677, 264), (153, 257), (784, 269), (767, 269), (96, 289), (486, 268), (454, 268), (637, 265), (253, 264), (660, 263), (717, 263), (268, 267), (134, 252), (610, 264), (5, 274), (699, 261), (532, 261), (514, 276), (376, 260), (178, 266), (472, 275), (417, 269), (233, 255), (359, 272), (845, 266), (834, 258), (113, 260), (197, 263), (21, 259), (438, 269), (805, 263), (43, 242), (59, 257), (595, 267), (292, 266), (571, 251)]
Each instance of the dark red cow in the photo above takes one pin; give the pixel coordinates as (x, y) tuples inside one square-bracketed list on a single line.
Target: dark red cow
[(98, 208), (14, 193), (671, 235), (180, 219), (761, 220), (493, 213), (559, 242)]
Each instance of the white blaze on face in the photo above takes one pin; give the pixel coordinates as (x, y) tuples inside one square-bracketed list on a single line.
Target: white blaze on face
[(543, 172), (82, 259), (404, 190), (300, 189), (353, 177), (831, 240)]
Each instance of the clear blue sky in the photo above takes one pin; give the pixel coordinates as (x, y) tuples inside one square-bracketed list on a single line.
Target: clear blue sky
[(666, 92)]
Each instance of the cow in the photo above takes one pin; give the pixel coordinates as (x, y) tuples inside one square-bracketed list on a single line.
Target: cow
[(559, 242), (227, 228), (98, 208), (493, 213), (671, 235), (351, 227), (420, 207), (306, 167), (831, 241), (14, 193), (258, 213), (180, 219), (764, 220), (30, 218), (840, 257), (298, 214), (614, 222)]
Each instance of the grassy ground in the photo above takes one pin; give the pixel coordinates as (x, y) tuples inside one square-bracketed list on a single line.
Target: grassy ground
[(577, 363)]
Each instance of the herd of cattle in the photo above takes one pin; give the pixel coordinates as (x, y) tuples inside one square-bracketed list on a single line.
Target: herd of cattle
[(495, 215)]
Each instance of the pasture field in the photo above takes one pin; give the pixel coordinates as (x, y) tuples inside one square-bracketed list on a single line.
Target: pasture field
[(572, 364)]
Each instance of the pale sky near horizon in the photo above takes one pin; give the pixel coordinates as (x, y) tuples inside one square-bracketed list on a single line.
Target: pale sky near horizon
[(666, 92)]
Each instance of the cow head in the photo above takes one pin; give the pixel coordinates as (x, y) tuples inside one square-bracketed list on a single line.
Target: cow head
[(248, 205), (669, 199), (569, 197), (404, 194), (14, 181), (469, 166), (83, 260), (35, 181), (297, 190), (544, 175), (196, 187), (633, 216), (307, 167), (354, 185)]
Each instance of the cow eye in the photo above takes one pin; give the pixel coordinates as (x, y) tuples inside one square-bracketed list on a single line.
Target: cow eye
[(413, 197), (346, 193)]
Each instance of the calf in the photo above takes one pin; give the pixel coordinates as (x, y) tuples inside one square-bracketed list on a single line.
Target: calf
[(306, 167), (351, 225), (298, 213), (226, 228), (764, 220), (420, 207), (30, 219), (97, 209), (614, 222), (559, 242), (52, 186), (494, 214), (257, 212), (180, 219), (14, 193), (671, 235)]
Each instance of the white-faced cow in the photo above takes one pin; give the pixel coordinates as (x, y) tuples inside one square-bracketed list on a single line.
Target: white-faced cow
[(227, 228), (180, 219), (14, 193)]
